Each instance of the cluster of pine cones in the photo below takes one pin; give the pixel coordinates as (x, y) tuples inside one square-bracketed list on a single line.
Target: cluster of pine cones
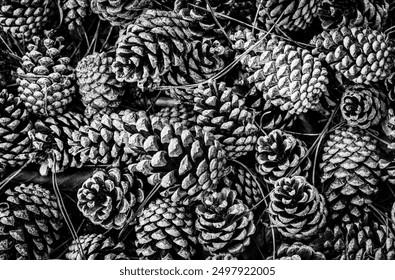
[(197, 129)]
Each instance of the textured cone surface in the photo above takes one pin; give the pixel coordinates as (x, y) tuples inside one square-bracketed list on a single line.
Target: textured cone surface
[(363, 106), (180, 113), (246, 186), (75, 12), (224, 223), (104, 139), (174, 57), (110, 197), (224, 114), (165, 230), (45, 81), (360, 54), (291, 15), (290, 77), (15, 124), (25, 18), (183, 163), (334, 13), (119, 12), (350, 173), (296, 208), (50, 140), (29, 223), (99, 89), (298, 251), (222, 257), (96, 247), (280, 153)]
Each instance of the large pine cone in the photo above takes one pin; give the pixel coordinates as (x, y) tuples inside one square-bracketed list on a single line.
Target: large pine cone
[(24, 19), (296, 208), (29, 223), (15, 125), (46, 80), (363, 106), (224, 223), (350, 173), (96, 247), (360, 54), (110, 197), (224, 114), (290, 77), (75, 12), (100, 91), (292, 15), (183, 163), (298, 251), (279, 154), (51, 137), (165, 230)]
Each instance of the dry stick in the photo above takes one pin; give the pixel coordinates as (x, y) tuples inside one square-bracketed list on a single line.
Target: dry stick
[(217, 22)]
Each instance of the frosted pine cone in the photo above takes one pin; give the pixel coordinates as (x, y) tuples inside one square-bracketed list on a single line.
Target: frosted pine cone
[(280, 153), (296, 208), (224, 223), (30, 221), (360, 54), (165, 230), (100, 91)]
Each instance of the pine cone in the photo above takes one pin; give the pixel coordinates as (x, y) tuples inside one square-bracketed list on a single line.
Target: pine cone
[(165, 230), (280, 154), (100, 91), (296, 208), (360, 54), (291, 15), (224, 223), (15, 145), (174, 57), (334, 13), (110, 197), (96, 247), (298, 251), (221, 257), (224, 114), (51, 142), (181, 113), (290, 77), (46, 80), (119, 12), (75, 12), (363, 106), (350, 173), (25, 18), (30, 221)]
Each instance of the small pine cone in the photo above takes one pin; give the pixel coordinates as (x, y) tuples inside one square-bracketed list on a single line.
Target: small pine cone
[(50, 141), (26, 18), (350, 173), (296, 208), (291, 15), (165, 231), (298, 251), (223, 113), (363, 106), (290, 77), (360, 54), (280, 154), (15, 145), (119, 12), (334, 13), (224, 223), (180, 113), (222, 257), (110, 197), (246, 186), (104, 139), (75, 12), (46, 80), (30, 221), (100, 91), (96, 247)]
